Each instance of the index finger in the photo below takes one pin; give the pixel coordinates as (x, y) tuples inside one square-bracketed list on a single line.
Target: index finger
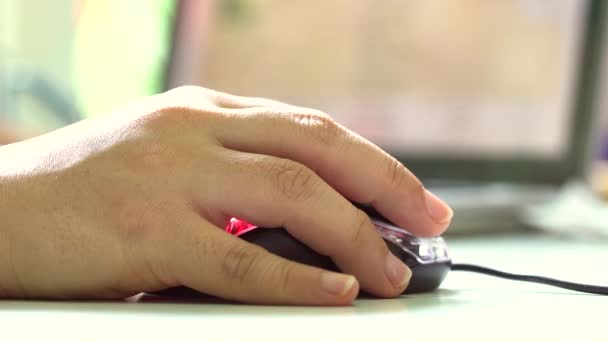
[(355, 167)]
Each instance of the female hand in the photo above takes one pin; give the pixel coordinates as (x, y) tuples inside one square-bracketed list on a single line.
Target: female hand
[(136, 201)]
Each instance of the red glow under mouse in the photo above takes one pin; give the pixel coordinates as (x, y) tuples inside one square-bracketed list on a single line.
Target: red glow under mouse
[(238, 227)]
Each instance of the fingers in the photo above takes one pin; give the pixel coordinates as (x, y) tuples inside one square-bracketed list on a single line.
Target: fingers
[(273, 192), (211, 261), (352, 165)]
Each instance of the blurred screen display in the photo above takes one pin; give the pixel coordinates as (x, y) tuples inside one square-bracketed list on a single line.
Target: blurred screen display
[(460, 77)]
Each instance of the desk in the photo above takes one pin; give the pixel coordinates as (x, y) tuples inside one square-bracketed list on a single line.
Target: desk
[(468, 306)]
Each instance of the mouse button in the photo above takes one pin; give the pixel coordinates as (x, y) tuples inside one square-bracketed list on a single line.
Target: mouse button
[(406, 258), (425, 250), (432, 249)]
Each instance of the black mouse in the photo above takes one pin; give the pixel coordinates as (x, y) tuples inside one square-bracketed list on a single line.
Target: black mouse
[(428, 258)]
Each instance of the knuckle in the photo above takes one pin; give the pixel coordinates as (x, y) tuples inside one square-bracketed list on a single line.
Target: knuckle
[(238, 262), (295, 181), (165, 119), (174, 114), (397, 173), (320, 127), (284, 278), (362, 222)]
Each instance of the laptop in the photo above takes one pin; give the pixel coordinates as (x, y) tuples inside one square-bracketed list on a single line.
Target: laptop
[(492, 104)]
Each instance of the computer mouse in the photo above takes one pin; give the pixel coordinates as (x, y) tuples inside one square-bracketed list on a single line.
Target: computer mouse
[(428, 258)]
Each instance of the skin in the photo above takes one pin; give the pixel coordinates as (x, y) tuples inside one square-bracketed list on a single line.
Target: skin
[(136, 201), (6, 135)]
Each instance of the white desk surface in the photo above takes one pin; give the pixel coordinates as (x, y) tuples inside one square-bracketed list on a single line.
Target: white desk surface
[(468, 306)]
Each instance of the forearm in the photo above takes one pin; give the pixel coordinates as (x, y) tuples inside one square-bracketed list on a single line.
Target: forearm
[(6, 219), (10, 217)]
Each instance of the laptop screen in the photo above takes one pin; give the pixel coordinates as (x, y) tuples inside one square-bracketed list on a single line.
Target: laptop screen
[(465, 78), (492, 82)]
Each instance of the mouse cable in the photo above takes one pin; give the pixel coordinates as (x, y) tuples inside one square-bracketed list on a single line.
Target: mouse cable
[(601, 290)]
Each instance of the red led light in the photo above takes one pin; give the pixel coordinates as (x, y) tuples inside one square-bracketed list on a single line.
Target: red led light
[(238, 227)]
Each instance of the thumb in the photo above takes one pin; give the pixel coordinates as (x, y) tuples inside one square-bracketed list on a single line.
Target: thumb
[(211, 261)]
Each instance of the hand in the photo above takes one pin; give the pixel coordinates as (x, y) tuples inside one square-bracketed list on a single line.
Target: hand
[(136, 201)]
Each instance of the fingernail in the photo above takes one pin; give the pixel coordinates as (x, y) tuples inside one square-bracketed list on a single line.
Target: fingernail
[(439, 211), (337, 284), (396, 271)]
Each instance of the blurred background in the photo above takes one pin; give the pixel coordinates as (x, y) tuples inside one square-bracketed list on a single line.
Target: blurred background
[(481, 91), (465, 77)]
